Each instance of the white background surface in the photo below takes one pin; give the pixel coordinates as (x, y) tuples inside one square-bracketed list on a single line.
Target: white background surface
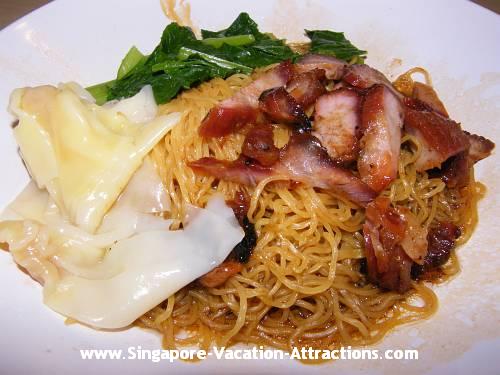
[(84, 41)]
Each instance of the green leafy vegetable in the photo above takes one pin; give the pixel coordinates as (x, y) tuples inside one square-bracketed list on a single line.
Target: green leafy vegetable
[(168, 66), (100, 91), (179, 75), (332, 43), (174, 37), (236, 40), (243, 24), (185, 53), (181, 61), (132, 59), (264, 51)]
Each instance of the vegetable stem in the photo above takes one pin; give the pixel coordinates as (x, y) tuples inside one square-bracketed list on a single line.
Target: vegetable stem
[(100, 91), (236, 40), (130, 61)]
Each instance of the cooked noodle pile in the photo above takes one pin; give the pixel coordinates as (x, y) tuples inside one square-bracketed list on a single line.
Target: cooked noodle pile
[(303, 285)]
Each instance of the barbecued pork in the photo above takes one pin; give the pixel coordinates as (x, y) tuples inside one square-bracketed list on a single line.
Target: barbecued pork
[(303, 160), (381, 122), (440, 137), (333, 67), (243, 107), (337, 122)]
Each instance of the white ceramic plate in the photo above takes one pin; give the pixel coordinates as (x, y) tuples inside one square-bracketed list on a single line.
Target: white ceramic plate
[(84, 41)]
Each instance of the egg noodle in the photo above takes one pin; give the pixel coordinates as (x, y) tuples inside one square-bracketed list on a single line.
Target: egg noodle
[(302, 285)]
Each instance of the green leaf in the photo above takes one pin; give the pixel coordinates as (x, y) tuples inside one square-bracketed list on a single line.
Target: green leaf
[(177, 67), (185, 52), (243, 24), (333, 43), (131, 84), (168, 65), (174, 37)]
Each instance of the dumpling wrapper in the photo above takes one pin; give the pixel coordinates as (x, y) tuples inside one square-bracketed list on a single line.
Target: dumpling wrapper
[(82, 153), (109, 279)]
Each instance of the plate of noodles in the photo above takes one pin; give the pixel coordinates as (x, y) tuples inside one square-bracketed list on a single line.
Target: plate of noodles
[(269, 175)]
